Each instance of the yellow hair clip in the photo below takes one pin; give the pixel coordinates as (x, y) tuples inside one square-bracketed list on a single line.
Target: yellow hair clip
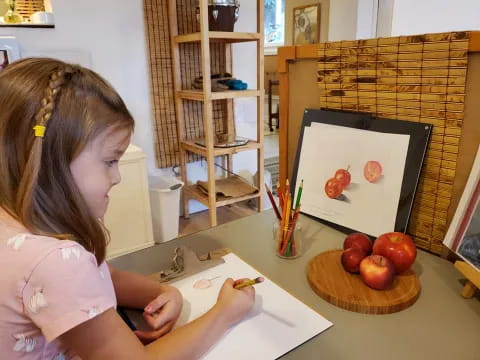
[(39, 130)]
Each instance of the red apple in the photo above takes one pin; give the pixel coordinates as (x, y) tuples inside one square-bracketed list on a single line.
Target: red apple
[(333, 188), (372, 171), (377, 272), (351, 259), (343, 176), (398, 247), (358, 240)]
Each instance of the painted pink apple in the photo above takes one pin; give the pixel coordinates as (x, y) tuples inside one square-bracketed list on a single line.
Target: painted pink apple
[(343, 176), (333, 188), (358, 240), (372, 171), (377, 272), (351, 259)]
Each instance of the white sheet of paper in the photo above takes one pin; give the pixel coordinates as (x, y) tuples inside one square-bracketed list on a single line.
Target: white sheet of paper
[(371, 207), (277, 324)]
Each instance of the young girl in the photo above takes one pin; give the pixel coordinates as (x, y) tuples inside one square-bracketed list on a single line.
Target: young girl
[(62, 132)]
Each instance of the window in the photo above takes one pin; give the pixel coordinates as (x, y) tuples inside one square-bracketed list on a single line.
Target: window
[(274, 25)]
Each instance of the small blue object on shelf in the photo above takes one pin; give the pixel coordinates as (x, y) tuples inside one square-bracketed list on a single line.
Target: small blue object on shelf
[(236, 84)]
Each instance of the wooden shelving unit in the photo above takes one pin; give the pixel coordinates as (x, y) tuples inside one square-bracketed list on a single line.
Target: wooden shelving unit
[(206, 96)]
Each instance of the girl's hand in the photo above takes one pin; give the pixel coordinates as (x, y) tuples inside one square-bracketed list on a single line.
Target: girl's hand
[(161, 314), (235, 304)]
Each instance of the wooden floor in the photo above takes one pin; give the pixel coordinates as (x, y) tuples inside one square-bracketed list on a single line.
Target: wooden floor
[(200, 221)]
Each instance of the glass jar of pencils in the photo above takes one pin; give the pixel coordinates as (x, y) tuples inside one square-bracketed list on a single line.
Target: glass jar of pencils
[(287, 240)]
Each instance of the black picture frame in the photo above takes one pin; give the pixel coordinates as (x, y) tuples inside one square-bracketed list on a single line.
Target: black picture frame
[(419, 137)]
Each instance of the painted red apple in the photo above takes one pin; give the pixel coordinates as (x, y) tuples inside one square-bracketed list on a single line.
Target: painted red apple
[(377, 272), (333, 188), (398, 247), (358, 240), (343, 176), (372, 171), (351, 259)]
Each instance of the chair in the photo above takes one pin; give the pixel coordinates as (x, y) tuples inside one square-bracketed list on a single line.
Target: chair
[(272, 115)]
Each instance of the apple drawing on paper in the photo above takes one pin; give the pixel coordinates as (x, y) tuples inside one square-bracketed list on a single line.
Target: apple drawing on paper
[(333, 188), (372, 171), (358, 240), (343, 176), (351, 259), (377, 272), (398, 247)]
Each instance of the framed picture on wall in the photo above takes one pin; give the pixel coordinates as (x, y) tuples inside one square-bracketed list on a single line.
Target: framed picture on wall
[(463, 235), (306, 24), (9, 51)]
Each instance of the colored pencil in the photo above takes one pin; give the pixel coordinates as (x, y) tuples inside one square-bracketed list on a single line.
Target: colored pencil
[(257, 280), (288, 207), (272, 200), (287, 188), (280, 228), (299, 194), (290, 240)]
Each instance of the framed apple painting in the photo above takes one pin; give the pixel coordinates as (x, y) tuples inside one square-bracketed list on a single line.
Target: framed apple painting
[(360, 172)]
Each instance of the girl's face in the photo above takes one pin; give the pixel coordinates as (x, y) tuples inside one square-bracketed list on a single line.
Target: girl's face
[(95, 170)]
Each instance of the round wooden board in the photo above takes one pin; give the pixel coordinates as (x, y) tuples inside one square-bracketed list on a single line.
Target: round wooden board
[(331, 282)]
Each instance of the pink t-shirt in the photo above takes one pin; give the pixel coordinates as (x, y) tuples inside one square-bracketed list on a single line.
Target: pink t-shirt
[(47, 287)]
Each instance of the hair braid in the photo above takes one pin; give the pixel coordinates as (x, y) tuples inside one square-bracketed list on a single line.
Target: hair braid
[(57, 79), (30, 175)]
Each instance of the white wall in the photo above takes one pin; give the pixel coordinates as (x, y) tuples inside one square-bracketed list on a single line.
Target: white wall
[(107, 36), (343, 20), (367, 19), (384, 18), (245, 68), (428, 16)]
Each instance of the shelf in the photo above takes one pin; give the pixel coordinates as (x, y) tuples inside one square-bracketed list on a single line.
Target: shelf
[(198, 95), (217, 151), (205, 57), (219, 36), (36, 26), (193, 192)]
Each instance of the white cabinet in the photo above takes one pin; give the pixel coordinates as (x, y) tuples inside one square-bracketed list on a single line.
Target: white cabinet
[(128, 216)]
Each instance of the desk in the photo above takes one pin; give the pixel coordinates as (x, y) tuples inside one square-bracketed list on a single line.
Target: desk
[(440, 325)]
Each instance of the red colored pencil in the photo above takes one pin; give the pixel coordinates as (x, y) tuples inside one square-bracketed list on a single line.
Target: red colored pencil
[(272, 200), (280, 229)]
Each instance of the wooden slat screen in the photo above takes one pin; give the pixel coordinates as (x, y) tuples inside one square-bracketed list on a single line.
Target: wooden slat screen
[(158, 36), (415, 78), (28, 7)]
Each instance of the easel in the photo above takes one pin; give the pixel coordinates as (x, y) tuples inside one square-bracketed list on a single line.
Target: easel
[(473, 278)]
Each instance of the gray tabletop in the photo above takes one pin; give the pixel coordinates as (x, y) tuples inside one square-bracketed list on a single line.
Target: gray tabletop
[(440, 325)]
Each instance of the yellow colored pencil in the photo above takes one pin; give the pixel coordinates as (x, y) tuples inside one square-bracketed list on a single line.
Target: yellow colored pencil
[(287, 218), (257, 280)]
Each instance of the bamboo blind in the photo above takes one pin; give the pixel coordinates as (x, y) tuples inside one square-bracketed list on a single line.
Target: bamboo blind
[(415, 78), (158, 36), (28, 7)]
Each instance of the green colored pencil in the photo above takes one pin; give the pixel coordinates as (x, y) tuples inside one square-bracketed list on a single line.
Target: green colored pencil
[(299, 195)]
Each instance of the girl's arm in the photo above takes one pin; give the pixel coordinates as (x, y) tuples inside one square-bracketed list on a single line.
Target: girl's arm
[(134, 290), (161, 303), (106, 336)]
